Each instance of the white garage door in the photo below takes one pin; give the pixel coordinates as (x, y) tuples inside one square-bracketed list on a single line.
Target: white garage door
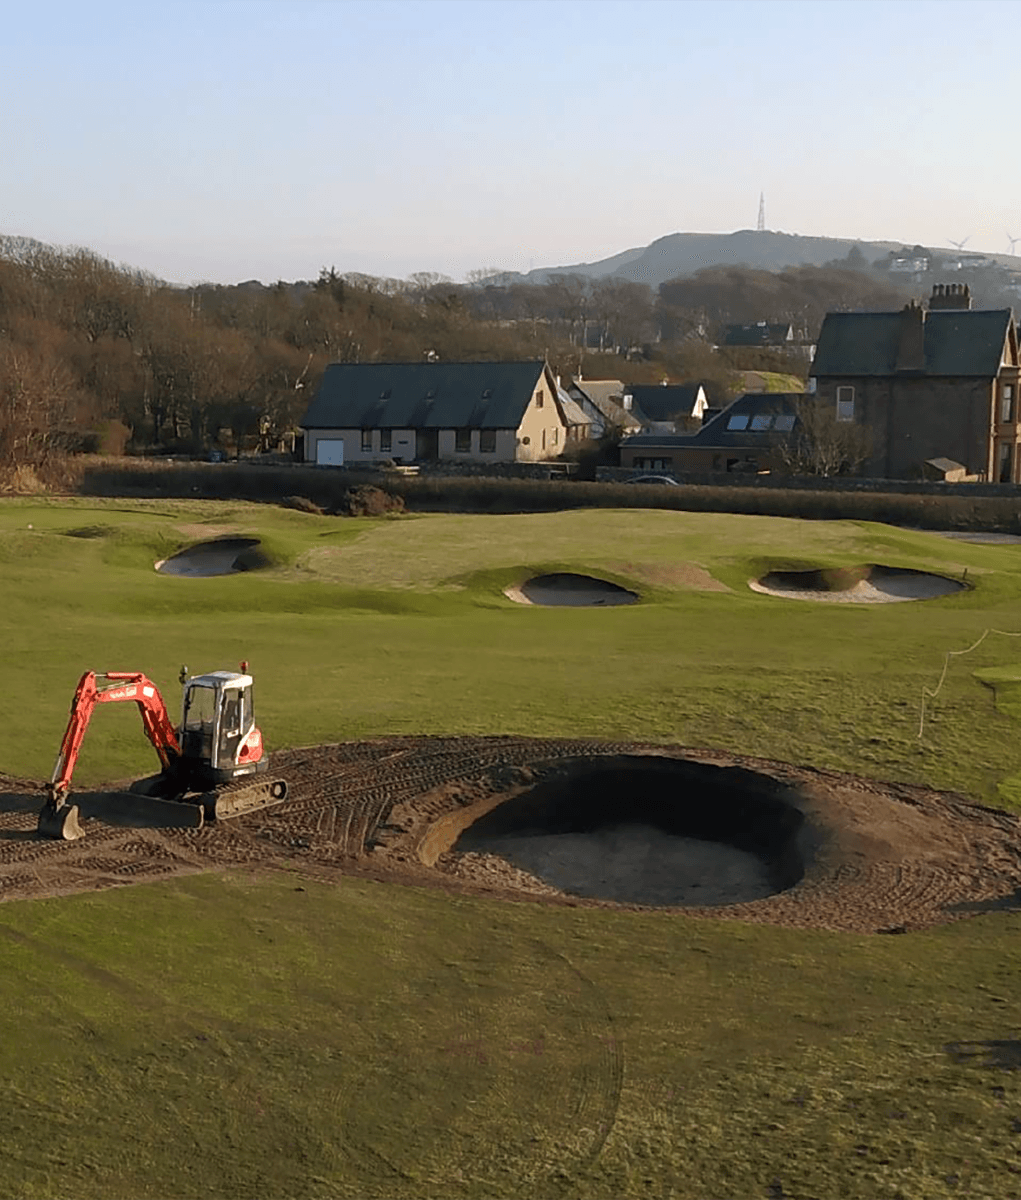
[(330, 452)]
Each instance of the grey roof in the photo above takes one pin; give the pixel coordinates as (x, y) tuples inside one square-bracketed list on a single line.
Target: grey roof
[(424, 395), (573, 413), (653, 402), (966, 342), (762, 333), (715, 434), (598, 390)]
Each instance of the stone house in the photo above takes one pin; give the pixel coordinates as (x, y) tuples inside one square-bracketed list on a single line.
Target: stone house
[(928, 383), (435, 411), (602, 402)]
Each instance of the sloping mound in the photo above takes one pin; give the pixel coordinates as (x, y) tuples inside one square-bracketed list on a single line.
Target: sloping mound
[(564, 589), (867, 584), (224, 556)]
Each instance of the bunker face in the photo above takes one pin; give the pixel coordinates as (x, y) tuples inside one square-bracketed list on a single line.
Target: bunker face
[(649, 831), (867, 584), (224, 556), (569, 590)]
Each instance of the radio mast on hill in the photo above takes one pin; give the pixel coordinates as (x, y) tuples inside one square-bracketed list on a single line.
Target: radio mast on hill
[(762, 212)]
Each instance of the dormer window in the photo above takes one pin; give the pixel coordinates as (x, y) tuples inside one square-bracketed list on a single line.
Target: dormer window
[(431, 394), (487, 394), (540, 397), (385, 394)]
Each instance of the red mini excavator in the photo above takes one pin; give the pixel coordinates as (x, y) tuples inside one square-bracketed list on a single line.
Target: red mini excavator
[(215, 762)]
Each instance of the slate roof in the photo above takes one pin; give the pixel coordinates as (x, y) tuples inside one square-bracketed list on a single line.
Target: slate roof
[(717, 434), (763, 333), (572, 411), (966, 342), (424, 395), (658, 403)]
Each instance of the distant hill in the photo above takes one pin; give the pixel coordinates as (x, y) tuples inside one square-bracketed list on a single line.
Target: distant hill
[(680, 254)]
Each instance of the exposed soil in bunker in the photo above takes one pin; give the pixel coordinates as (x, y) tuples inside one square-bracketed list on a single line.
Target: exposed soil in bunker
[(866, 584), (224, 556), (564, 589), (649, 831), (834, 851)]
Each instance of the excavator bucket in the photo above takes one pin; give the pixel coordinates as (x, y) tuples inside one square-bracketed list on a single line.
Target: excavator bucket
[(59, 821)]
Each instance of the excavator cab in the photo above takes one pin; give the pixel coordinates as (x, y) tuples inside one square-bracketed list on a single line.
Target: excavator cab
[(218, 736)]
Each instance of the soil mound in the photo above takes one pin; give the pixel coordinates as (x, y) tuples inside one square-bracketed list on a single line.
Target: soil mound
[(565, 589), (223, 556), (867, 584), (763, 841)]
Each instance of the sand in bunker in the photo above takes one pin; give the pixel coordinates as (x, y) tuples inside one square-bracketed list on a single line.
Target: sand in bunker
[(570, 591), (882, 586), (632, 864), (207, 558)]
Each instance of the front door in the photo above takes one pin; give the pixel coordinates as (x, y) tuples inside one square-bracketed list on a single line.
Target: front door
[(427, 445)]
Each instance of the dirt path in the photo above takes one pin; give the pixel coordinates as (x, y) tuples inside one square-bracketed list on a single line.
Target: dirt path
[(885, 857)]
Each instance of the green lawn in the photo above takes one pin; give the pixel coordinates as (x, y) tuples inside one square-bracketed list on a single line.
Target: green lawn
[(268, 1036)]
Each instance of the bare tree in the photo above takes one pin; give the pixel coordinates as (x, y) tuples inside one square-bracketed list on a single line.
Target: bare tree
[(820, 444)]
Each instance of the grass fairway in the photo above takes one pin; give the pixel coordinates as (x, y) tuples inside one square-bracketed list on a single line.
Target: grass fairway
[(235, 1036), (275, 1037)]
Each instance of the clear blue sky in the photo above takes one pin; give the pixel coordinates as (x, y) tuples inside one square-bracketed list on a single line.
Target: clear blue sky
[(236, 139)]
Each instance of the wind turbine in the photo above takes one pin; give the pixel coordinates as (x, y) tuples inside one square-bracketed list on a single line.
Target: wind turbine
[(1013, 242), (960, 245)]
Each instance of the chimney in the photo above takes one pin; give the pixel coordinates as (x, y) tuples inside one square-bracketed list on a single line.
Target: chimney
[(911, 338), (950, 295)]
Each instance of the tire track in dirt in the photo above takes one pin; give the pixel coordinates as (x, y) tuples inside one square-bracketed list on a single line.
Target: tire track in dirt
[(895, 856)]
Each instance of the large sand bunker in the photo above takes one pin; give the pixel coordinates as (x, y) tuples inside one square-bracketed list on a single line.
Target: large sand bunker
[(867, 584), (564, 589), (224, 556), (649, 830)]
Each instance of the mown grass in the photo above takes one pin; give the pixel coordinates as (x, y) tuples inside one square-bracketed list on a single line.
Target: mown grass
[(236, 1036), (274, 1037)]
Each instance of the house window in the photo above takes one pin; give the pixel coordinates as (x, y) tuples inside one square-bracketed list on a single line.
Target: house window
[(1007, 402), (762, 421), (487, 441), (366, 441), (556, 436), (845, 403), (540, 398), (738, 421), (1006, 463), (386, 439), (462, 441), (652, 464), (784, 423)]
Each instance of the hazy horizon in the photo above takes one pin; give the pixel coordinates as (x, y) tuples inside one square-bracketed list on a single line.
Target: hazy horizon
[(236, 139)]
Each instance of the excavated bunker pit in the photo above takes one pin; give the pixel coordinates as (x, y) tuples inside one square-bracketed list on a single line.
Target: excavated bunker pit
[(870, 583), (649, 831), (222, 556), (565, 589)]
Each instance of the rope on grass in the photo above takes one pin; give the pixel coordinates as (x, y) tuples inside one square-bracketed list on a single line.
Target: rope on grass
[(932, 693)]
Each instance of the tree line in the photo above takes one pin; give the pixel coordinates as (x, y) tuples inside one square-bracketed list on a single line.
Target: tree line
[(95, 356)]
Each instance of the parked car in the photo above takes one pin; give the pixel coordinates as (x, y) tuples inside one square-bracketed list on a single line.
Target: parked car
[(653, 479)]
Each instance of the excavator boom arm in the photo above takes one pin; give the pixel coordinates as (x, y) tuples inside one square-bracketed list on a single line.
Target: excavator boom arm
[(106, 688)]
